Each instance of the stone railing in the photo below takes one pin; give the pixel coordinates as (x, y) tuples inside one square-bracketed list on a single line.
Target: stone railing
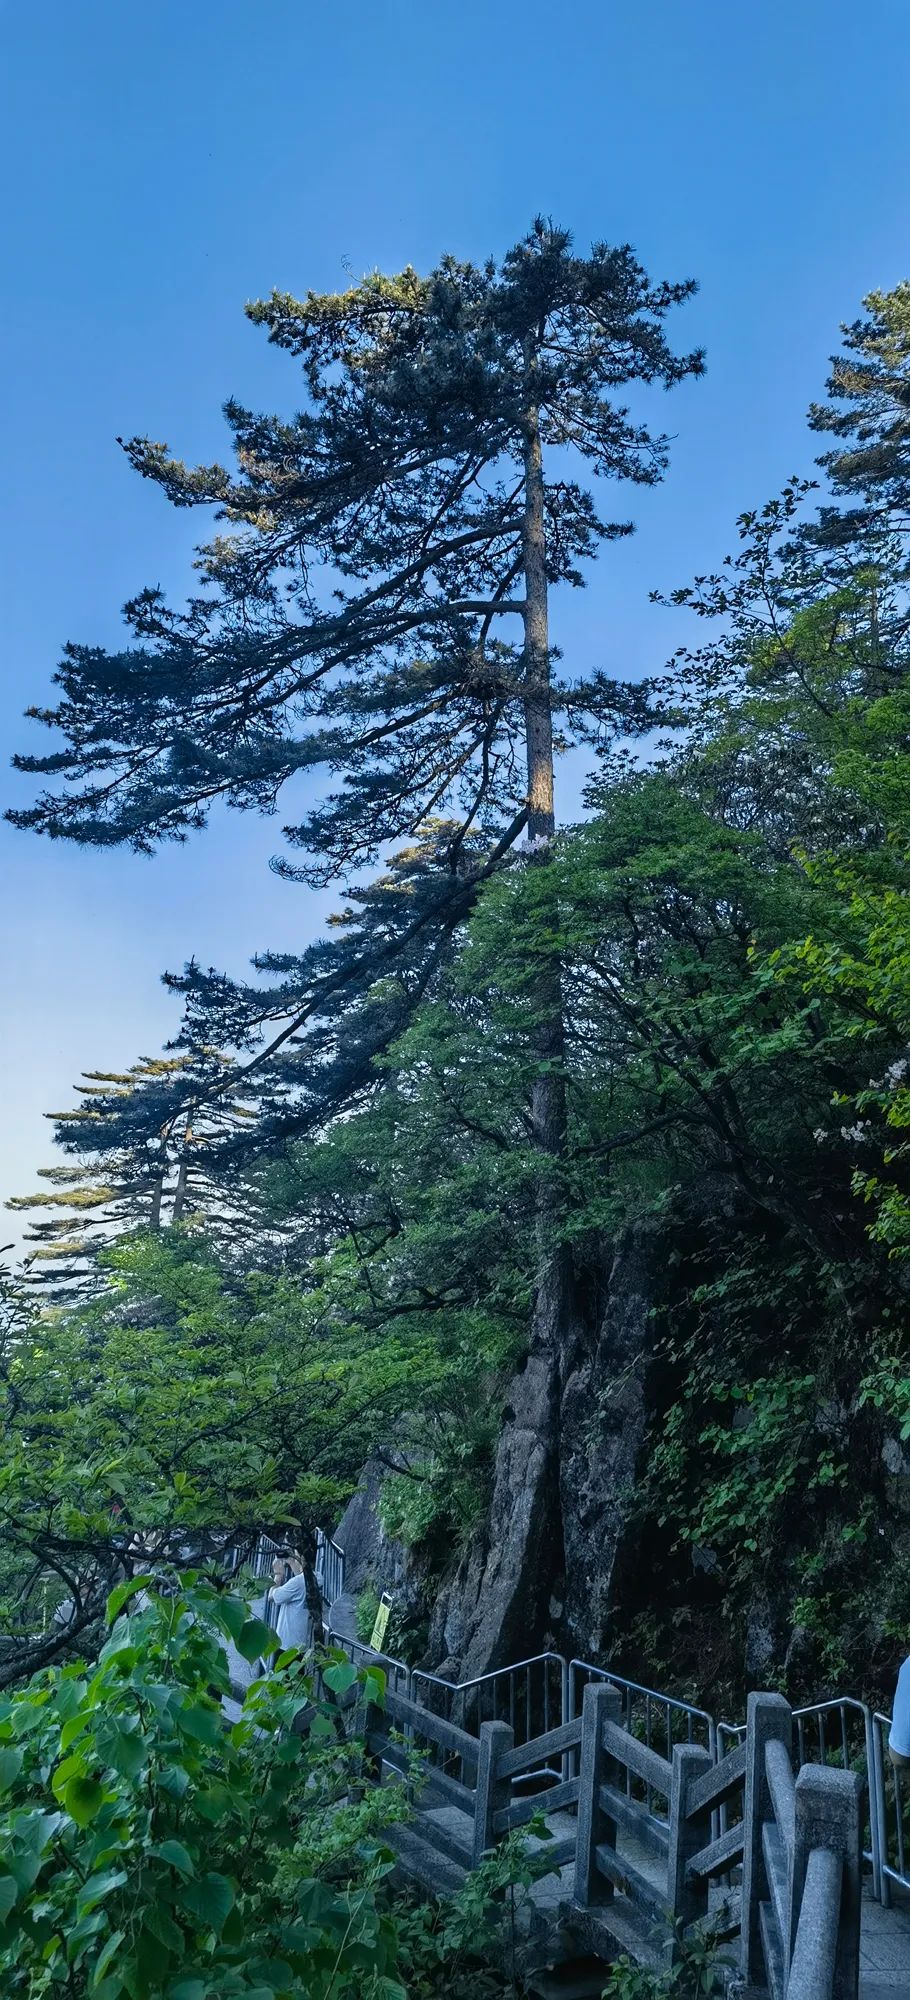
[(771, 1858)]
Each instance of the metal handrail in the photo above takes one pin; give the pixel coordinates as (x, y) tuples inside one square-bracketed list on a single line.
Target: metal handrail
[(330, 1567), (524, 1685), (397, 1673), (637, 1696), (829, 1752), (670, 1702), (899, 1871)]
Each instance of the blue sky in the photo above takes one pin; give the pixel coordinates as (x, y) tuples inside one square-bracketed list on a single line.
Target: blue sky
[(165, 161)]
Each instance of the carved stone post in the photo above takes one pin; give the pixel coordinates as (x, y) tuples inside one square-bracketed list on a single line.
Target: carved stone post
[(769, 1719), (826, 1902), (689, 1831), (602, 1704), (493, 1791)]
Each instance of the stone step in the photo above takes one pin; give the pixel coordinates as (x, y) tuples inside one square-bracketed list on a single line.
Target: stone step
[(618, 1927), (425, 1864)]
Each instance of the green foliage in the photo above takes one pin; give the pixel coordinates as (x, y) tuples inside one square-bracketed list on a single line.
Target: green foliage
[(361, 614), (190, 1404), (699, 1970), (730, 930), (149, 1847), (469, 1948), (365, 1611)]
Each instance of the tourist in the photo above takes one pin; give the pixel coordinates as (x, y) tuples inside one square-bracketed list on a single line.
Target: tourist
[(899, 1739), (291, 1595)]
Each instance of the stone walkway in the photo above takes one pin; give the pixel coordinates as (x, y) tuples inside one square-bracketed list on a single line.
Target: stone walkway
[(885, 1949)]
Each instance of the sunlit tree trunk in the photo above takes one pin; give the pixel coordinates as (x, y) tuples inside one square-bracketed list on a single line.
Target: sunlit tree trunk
[(548, 1096)]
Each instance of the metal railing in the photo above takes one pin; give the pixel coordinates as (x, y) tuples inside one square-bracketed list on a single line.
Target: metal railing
[(798, 1838), (260, 1556), (536, 1695), (398, 1675), (329, 1567), (891, 1807), (660, 1721), (530, 1695), (840, 1734)]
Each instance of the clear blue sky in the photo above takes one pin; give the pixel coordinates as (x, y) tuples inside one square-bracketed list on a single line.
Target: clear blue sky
[(165, 161)]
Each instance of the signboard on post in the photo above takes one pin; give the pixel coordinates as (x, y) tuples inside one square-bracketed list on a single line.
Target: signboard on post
[(381, 1626)]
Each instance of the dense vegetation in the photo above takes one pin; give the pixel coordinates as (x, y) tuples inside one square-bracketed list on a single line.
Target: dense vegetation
[(150, 1847), (332, 1221)]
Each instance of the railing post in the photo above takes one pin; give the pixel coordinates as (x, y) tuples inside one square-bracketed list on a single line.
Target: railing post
[(829, 1816), (769, 1720), (493, 1792), (368, 1719), (689, 1831), (601, 1703)]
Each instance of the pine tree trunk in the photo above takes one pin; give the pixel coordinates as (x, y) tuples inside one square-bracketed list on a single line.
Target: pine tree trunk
[(497, 1606), (548, 1096), (182, 1178)]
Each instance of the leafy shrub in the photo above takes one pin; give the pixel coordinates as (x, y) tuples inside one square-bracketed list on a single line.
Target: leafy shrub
[(467, 1947), (699, 1972), (365, 1612), (149, 1847)]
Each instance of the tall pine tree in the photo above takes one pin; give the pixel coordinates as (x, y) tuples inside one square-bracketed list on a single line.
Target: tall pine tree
[(386, 543), (379, 606)]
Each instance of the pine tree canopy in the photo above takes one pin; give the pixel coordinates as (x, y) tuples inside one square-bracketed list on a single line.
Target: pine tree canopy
[(868, 415), (366, 612)]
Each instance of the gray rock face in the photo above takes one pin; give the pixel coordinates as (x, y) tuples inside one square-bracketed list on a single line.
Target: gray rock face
[(495, 1608), (574, 1424), (370, 1554), (602, 1421)]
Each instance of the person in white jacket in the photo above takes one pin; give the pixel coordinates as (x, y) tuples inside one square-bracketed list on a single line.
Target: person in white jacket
[(899, 1739), (294, 1619)]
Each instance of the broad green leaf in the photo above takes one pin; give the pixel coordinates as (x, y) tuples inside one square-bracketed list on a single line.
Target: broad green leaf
[(106, 1957), (127, 1752), (84, 1932), (276, 1972), (94, 1890), (159, 1920), (24, 1868), (210, 1899), (74, 1727), (233, 1614), (174, 1780), (10, 1766), (8, 1894), (64, 1772), (203, 1724), (187, 1989), (375, 1680), (83, 1798), (176, 1856), (340, 1679), (153, 1960), (256, 1637), (214, 1802), (124, 1591)]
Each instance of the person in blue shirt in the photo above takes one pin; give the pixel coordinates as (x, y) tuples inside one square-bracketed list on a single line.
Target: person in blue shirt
[(899, 1739)]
